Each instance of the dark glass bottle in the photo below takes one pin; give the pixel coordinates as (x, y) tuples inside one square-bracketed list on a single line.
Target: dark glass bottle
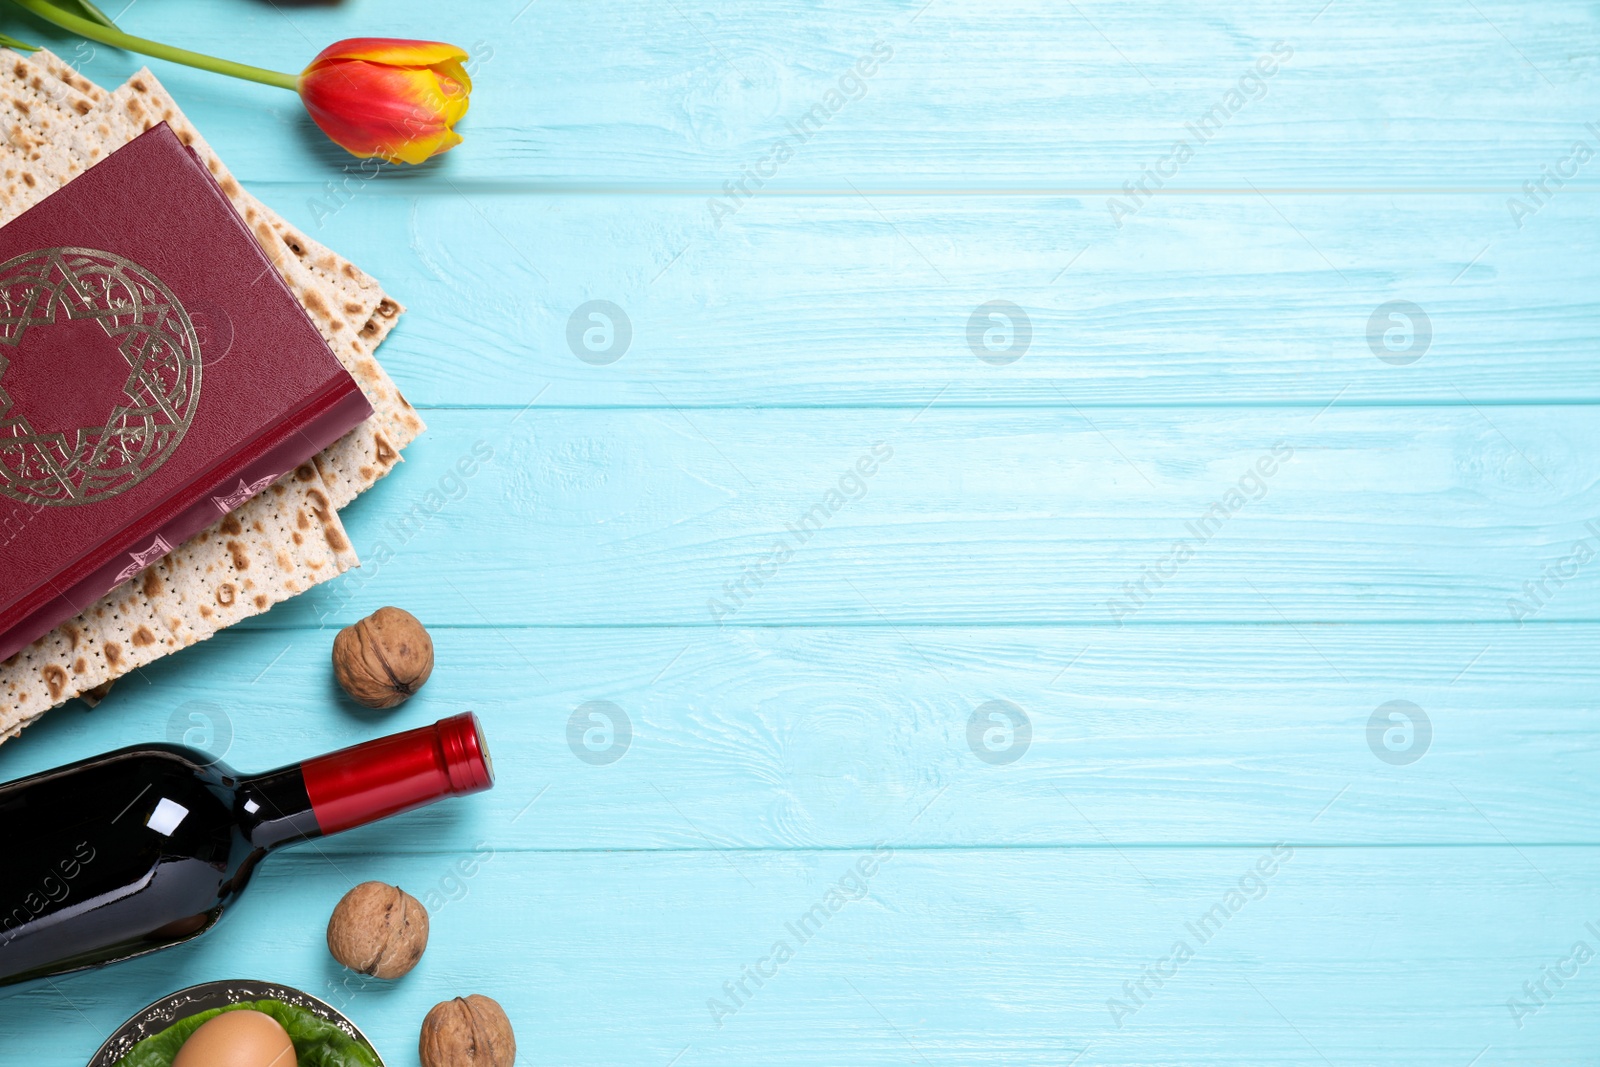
[(135, 850)]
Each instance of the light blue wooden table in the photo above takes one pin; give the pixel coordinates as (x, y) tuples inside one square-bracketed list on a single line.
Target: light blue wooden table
[(1300, 428)]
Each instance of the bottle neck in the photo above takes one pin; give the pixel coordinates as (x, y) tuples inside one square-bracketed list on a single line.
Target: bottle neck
[(273, 809), (367, 782)]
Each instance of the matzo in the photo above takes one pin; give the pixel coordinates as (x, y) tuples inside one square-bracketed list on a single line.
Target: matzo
[(283, 542)]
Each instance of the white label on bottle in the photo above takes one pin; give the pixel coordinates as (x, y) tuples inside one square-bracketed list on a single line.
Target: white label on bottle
[(165, 819)]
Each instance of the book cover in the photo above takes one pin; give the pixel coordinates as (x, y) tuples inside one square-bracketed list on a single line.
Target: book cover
[(155, 373)]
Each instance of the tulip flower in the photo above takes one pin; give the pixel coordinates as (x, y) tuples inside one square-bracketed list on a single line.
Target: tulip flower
[(395, 100)]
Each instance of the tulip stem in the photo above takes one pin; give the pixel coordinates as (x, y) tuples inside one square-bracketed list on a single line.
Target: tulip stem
[(115, 38)]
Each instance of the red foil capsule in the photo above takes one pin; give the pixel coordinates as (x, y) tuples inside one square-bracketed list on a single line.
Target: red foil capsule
[(380, 778)]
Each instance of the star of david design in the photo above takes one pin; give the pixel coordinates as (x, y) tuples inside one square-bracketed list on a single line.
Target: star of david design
[(158, 400)]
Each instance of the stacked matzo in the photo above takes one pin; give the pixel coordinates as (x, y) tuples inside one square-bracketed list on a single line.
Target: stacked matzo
[(54, 124)]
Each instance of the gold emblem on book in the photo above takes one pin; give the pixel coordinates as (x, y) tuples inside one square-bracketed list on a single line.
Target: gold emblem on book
[(145, 419)]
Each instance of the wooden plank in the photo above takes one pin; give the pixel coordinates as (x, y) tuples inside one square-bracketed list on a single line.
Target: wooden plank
[(628, 518), (1225, 299), (805, 738), (1063, 97), (1379, 956)]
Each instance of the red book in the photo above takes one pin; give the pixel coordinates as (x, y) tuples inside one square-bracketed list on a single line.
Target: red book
[(155, 373)]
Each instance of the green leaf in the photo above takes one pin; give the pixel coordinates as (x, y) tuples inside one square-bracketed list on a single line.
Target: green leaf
[(7, 41), (95, 13), (84, 8), (317, 1042)]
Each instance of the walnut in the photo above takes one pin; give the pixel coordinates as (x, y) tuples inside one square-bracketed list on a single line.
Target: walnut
[(378, 929), (383, 659), (467, 1032)]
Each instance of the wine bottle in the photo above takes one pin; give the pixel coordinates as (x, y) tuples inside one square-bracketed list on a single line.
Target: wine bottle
[(139, 849)]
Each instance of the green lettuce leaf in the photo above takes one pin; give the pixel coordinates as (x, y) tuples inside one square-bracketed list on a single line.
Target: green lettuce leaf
[(317, 1042)]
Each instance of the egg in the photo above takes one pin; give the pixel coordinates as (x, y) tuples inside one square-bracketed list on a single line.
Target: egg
[(241, 1038)]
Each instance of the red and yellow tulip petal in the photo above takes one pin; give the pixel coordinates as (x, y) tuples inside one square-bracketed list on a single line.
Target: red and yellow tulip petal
[(391, 51), (455, 70), (421, 149)]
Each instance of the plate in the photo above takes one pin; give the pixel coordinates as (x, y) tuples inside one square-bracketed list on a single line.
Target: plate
[(156, 1017)]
